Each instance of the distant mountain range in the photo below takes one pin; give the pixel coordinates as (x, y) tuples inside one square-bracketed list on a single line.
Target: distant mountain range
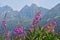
[(26, 15)]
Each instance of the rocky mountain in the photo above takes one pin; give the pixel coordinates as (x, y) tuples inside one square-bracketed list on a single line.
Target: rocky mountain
[(29, 12)]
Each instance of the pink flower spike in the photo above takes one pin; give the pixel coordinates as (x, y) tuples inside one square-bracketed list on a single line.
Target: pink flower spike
[(4, 23), (19, 30), (7, 33), (53, 23), (51, 29), (37, 18)]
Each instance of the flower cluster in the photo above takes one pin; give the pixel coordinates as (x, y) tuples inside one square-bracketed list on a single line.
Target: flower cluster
[(37, 18), (4, 23), (35, 21), (19, 30), (50, 26)]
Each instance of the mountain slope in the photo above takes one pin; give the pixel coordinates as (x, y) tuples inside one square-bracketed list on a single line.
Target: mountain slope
[(54, 13), (28, 13)]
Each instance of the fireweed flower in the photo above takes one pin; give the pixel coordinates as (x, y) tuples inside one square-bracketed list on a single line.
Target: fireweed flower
[(46, 27), (7, 33), (35, 21), (50, 26), (37, 18), (19, 30), (24, 32), (53, 23), (4, 23), (51, 29)]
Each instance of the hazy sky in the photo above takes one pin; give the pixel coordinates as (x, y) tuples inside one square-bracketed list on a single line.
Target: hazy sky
[(19, 4)]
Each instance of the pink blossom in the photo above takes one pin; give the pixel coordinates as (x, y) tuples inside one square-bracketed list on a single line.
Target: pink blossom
[(7, 33), (19, 30), (51, 29), (4, 23), (37, 18), (53, 23), (35, 21), (46, 27), (50, 26)]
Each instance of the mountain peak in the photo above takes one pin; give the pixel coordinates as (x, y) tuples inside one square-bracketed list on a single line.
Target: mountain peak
[(57, 6), (26, 6), (7, 8), (33, 5)]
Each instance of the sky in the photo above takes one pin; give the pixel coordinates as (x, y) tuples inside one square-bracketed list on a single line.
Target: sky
[(19, 4)]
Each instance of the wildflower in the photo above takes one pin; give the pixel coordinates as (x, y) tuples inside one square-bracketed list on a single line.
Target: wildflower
[(37, 18), (19, 30), (4, 23), (50, 26), (7, 33), (46, 27), (35, 21), (51, 29), (53, 23), (24, 33)]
